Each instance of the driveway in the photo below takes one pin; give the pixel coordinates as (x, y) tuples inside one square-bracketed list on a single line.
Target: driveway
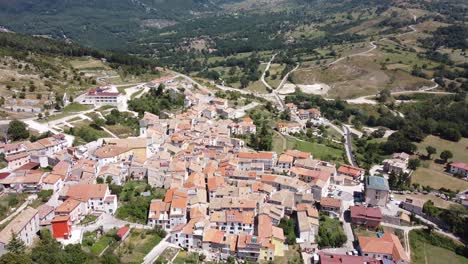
[(108, 222)]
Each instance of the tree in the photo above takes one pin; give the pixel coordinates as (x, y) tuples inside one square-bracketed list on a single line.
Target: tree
[(446, 155), (287, 224), (15, 245), (384, 95), (244, 82), (17, 130), (414, 164), (159, 91), (430, 150), (13, 258)]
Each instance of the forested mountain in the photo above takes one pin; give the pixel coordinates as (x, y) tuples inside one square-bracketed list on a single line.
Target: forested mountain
[(103, 23)]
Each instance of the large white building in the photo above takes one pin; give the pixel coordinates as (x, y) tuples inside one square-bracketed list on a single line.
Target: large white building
[(24, 226), (106, 95)]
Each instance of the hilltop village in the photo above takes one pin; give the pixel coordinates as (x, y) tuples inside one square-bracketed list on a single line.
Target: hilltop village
[(209, 193)]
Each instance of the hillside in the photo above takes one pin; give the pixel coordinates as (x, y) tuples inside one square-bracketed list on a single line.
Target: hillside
[(40, 71), (355, 47), (103, 24)]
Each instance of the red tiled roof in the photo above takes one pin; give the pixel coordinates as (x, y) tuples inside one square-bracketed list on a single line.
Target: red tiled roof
[(330, 202), (350, 170), (363, 212), (460, 165), (29, 166), (122, 231), (255, 155)]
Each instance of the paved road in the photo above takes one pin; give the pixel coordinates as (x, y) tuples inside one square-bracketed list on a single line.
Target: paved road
[(262, 78), (108, 222), (240, 112), (285, 78), (406, 230), (349, 147), (190, 79), (373, 47)]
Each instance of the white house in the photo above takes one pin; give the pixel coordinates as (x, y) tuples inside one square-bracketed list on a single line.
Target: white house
[(24, 226)]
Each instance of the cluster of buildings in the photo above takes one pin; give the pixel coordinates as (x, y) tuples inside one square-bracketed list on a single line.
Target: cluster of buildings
[(222, 198), (397, 165), (41, 151), (26, 105), (312, 115), (52, 165)]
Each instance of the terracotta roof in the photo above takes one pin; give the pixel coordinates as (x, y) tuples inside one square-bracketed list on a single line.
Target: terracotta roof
[(330, 202), (52, 178), (284, 158), (158, 206), (215, 182), (17, 156), (350, 170), (460, 165), (68, 206), (44, 210), (213, 236), (365, 212), (122, 231), (388, 244), (298, 154), (179, 203), (61, 168), (309, 209), (109, 151), (84, 192), (314, 174), (327, 258), (29, 166), (60, 218), (277, 232), (256, 155), (246, 217), (247, 120)]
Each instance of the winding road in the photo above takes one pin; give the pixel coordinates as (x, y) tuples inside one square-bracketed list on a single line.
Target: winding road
[(373, 47), (262, 78)]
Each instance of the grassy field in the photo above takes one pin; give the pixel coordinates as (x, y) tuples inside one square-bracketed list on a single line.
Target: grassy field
[(120, 130), (319, 151), (10, 201), (257, 86), (432, 173), (275, 70), (293, 253), (137, 245), (88, 63), (423, 250), (85, 133), (435, 177), (364, 75), (459, 149), (67, 110), (439, 202)]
